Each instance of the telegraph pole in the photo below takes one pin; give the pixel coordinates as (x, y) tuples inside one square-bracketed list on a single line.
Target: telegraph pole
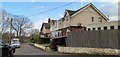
[(10, 30)]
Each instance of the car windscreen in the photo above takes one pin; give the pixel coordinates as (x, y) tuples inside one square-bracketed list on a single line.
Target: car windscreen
[(15, 42), (2, 44)]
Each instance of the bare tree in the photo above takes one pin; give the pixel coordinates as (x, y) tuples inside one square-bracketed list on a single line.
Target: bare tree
[(35, 32), (20, 24), (4, 21), (15, 23)]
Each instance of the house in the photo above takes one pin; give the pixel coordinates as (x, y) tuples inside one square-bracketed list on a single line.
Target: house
[(104, 26), (74, 21), (77, 20), (45, 30), (54, 27)]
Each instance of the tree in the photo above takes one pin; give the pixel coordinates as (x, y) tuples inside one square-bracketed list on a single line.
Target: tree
[(35, 32), (20, 24), (15, 23), (4, 21)]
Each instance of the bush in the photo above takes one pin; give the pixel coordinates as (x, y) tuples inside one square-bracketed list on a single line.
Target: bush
[(35, 39)]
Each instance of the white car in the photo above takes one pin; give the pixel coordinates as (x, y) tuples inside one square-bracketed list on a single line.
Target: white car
[(15, 42)]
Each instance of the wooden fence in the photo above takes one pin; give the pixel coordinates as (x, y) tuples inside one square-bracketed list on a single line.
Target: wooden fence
[(94, 39)]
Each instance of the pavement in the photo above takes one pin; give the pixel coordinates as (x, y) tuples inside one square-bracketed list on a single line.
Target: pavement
[(27, 50)]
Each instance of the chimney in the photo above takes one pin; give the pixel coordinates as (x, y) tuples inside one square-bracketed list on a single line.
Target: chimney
[(48, 20)]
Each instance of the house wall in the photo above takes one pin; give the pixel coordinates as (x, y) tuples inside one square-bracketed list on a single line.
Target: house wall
[(85, 17), (53, 28), (64, 23), (107, 24), (53, 34), (45, 30)]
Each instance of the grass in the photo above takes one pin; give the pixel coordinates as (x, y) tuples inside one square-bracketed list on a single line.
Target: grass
[(45, 44)]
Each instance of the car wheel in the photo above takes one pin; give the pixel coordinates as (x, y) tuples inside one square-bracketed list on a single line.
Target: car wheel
[(11, 54)]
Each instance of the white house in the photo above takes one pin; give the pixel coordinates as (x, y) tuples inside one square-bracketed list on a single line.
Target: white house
[(104, 26)]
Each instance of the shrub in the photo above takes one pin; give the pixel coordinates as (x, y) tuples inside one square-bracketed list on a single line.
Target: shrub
[(35, 39)]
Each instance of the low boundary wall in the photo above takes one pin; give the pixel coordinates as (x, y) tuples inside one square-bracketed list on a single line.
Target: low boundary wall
[(93, 51)]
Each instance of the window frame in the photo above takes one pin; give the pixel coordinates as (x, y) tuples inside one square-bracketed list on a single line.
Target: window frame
[(93, 28), (118, 26), (112, 27), (99, 28), (92, 19), (100, 19), (105, 28)]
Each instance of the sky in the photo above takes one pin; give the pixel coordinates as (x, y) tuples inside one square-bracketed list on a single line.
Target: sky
[(31, 10)]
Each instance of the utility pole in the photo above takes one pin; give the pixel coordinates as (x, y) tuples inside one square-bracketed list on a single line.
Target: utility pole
[(10, 30)]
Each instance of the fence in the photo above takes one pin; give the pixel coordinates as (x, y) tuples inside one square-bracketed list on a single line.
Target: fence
[(94, 39)]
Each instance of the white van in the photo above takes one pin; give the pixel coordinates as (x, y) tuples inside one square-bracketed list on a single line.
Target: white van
[(15, 42)]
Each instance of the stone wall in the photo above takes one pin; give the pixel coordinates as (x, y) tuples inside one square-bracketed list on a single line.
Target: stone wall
[(94, 51), (40, 46), (45, 48)]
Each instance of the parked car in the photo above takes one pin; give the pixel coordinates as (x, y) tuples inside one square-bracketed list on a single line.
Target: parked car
[(6, 50), (15, 42), (53, 45), (58, 41)]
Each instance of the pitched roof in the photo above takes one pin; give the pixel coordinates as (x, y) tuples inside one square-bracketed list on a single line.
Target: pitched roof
[(53, 20), (73, 13), (70, 12), (46, 25), (88, 5)]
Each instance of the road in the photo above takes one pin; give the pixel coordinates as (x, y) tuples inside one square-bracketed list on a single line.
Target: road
[(27, 50)]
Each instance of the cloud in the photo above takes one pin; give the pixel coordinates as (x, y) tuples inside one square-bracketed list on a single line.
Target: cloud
[(113, 18), (110, 9), (61, 15), (59, 0), (33, 1), (38, 7), (37, 25)]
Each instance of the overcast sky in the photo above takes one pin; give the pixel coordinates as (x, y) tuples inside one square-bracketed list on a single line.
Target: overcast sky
[(33, 8)]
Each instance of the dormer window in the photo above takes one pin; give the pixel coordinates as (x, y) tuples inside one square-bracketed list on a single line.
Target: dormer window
[(67, 18)]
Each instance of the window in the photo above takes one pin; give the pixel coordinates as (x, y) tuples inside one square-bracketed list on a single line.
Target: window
[(100, 19), (99, 28), (67, 18), (88, 29), (84, 28), (60, 22), (105, 28), (79, 24), (111, 27), (93, 28), (92, 19), (58, 34), (118, 26)]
